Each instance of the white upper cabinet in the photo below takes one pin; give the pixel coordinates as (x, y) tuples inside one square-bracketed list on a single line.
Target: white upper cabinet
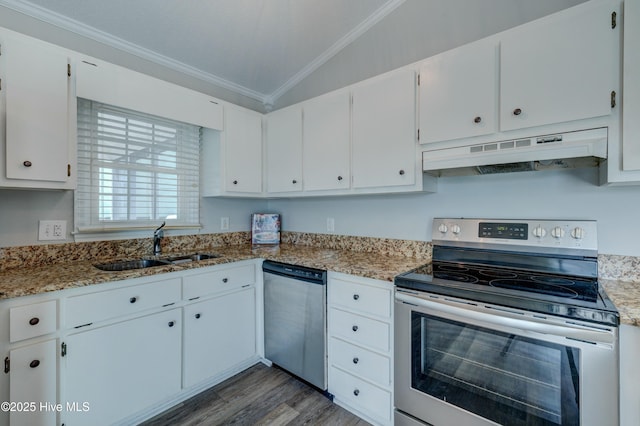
[(384, 131), (38, 115), (458, 93), (284, 150), (631, 84), (325, 154), (242, 142), (559, 68)]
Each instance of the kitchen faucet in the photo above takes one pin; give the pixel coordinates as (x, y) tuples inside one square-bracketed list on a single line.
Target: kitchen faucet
[(157, 237)]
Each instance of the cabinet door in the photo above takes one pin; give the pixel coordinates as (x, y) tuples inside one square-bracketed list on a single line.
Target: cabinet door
[(243, 150), (122, 368), (33, 379), (218, 334), (325, 153), (36, 84), (558, 69), (284, 150), (384, 127), (459, 93), (631, 84)]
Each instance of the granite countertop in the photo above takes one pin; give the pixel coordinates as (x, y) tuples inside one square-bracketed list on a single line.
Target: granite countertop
[(26, 281), (18, 282)]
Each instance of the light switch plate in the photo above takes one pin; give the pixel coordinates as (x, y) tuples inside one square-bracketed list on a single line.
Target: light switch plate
[(224, 223), (49, 230)]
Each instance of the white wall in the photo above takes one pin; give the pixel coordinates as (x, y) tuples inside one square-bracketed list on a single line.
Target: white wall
[(21, 210), (558, 194)]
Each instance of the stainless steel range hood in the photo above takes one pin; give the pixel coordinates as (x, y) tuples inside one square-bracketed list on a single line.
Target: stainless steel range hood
[(562, 150)]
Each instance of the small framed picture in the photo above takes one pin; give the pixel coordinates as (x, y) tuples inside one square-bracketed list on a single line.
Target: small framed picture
[(265, 228)]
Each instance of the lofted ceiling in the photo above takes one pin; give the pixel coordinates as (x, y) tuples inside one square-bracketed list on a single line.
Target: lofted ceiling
[(262, 49)]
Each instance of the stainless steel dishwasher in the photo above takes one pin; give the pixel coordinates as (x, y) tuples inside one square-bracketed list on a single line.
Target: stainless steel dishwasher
[(295, 320)]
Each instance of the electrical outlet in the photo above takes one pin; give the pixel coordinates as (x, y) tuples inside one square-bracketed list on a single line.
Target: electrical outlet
[(224, 223), (49, 230), (331, 224)]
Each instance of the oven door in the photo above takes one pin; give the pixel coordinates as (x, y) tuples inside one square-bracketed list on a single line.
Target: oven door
[(467, 363)]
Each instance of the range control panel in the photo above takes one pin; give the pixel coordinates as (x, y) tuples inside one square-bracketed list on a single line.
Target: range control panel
[(558, 234)]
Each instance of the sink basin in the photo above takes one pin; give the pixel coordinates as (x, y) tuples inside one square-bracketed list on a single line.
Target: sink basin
[(192, 257), (125, 265)]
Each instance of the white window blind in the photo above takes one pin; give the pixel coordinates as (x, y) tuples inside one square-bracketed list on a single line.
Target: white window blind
[(134, 170)]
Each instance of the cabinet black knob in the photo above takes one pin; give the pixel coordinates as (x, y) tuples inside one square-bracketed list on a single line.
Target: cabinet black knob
[(26, 163), (34, 321), (339, 177), (356, 296), (517, 111), (401, 172), (198, 316), (235, 182), (133, 300), (225, 280), (477, 120), (356, 360), (354, 328), (294, 181), (171, 323), (34, 363), (356, 392)]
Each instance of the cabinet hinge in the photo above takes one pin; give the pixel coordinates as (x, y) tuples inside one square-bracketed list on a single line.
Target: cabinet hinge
[(68, 70), (418, 134), (7, 364), (613, 99), (63, 349), (68, 170), (614, 20), (418, 79)]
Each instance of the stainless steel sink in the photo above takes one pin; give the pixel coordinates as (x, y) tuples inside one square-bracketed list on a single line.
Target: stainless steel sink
[(125, 265)]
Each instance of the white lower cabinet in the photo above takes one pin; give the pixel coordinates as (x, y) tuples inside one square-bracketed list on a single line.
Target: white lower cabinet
[(114, 371), (33, 384), (219, 333), (360, 339)]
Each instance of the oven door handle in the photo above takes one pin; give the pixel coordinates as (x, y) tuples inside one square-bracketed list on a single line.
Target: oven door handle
[(500, 318)]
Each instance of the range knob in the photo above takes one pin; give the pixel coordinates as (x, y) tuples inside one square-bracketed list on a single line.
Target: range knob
[(577, 233), (443, 228), (557, 232), (539, 232), (455, 229)]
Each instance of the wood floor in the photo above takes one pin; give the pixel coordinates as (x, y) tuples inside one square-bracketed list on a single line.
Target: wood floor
[(258, 396)]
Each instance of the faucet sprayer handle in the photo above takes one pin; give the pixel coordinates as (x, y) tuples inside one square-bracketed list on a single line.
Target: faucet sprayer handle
[(158, 230)]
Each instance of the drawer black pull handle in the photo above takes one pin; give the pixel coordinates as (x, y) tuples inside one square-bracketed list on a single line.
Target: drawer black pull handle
[(356, 392), (133, 300), (34, 363), (354, 328), (27, 163), (356, 360), (517, 111), (225, 280), (477, 120), (356, 296), (34, 321), (171, 323), (198, 316)]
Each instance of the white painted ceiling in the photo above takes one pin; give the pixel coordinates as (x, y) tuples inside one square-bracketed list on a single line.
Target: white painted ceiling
[(263, 48)]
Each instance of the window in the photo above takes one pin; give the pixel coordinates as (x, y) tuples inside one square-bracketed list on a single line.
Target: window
[(134, 170)]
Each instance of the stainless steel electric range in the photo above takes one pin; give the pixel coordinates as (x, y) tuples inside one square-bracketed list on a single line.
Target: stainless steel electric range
[(507, 325)]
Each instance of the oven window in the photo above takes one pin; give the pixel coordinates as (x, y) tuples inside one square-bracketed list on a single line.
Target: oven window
[(509, 379)]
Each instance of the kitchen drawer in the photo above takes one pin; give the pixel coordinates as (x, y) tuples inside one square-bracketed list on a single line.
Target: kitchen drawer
[(104, 305), (218, 281), (32, 320), (363, 396), (357, 329), (361, 362), (360, 298)]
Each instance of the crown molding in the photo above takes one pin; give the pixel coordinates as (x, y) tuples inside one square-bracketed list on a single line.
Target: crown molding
[(92, 33), (338, 46)]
